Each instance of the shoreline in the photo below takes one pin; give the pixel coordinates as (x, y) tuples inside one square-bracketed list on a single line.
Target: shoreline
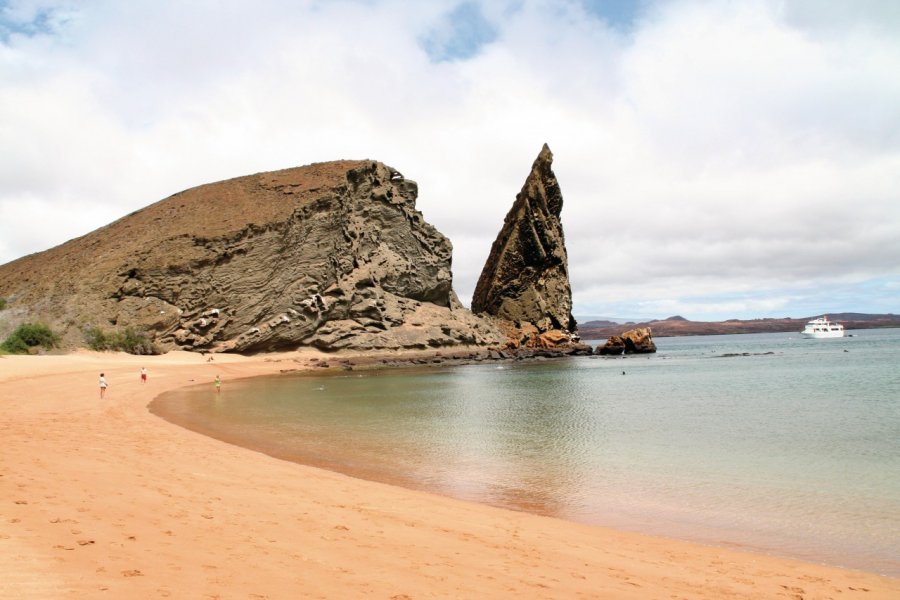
[(103, 496), (640, 514)]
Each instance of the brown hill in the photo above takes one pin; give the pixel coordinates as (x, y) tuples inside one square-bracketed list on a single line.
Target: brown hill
[(333, 255), (676, 326)]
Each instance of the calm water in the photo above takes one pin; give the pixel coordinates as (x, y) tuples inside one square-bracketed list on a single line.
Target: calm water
[(792, 449)]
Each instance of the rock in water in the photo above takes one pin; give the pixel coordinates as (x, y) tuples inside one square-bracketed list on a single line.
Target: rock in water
[(639, 341), (633, 341), (614, 345), (526, 277), (333, 255)]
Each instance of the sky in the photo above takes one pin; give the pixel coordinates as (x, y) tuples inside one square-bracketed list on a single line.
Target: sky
[(717, 159)]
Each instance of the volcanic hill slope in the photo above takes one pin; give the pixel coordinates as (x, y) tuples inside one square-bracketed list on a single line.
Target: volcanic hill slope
[(333, 255)]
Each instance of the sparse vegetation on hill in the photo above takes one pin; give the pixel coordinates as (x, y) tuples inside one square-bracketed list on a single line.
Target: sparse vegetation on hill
[(128, 340), (2, 303), (28, 336)]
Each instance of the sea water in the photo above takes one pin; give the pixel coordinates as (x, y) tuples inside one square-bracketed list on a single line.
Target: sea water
[(765, 442)]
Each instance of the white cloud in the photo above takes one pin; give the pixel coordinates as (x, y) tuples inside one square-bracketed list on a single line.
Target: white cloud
[(712, 156)]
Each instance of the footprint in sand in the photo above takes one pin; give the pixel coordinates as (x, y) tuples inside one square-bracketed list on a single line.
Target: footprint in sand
[(132, 573)]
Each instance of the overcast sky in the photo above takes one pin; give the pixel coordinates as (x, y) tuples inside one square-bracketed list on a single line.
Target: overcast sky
[(717, 159)]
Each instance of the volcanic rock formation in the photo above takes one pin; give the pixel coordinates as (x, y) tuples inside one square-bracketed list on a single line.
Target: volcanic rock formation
[(525, 280), (633, 341), (333, 255), (614, 345), (639, 341)]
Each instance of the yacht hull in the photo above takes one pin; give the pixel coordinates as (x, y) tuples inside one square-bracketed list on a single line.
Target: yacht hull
[(822, 334)]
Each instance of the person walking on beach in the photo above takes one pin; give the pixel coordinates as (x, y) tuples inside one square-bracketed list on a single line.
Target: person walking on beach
[(218, 384), (143, 374), (103, 386)]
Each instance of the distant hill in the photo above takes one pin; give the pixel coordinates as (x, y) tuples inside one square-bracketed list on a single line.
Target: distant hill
[(677, 325), (587, 318)]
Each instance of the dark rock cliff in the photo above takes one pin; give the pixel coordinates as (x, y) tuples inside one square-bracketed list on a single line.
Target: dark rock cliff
[(525, 280), (333, 255)]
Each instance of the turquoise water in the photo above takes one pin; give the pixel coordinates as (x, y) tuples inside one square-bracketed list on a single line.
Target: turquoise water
[(765, 442)]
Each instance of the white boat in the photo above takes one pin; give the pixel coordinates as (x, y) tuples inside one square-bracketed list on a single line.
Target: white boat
[(822, 328)]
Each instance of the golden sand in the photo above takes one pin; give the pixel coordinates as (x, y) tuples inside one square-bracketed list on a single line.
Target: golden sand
[(101, 499)]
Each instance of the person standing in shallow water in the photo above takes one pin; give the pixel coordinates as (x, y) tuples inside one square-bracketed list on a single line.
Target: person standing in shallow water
[(103, 386), (218, 384)]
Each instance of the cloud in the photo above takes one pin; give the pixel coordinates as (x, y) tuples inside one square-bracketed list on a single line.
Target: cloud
[(712, 156)]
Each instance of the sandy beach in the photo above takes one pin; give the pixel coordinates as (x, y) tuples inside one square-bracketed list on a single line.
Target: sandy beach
[(102, 499)]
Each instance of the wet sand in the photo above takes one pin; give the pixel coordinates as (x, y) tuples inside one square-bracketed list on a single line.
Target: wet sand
[(100, 498)]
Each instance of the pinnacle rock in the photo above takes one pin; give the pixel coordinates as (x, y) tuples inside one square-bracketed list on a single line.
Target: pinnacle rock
[(525, 280)]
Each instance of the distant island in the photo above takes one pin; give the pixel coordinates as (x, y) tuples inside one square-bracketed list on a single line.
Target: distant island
[(677, 325)]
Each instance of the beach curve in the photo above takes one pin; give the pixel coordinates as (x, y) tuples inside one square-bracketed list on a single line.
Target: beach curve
[(102, 498)]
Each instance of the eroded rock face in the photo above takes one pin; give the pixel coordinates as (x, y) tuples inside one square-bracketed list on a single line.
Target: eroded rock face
[(638, 341), (526, 280), (614, 346), (634, 341), (333, 255)]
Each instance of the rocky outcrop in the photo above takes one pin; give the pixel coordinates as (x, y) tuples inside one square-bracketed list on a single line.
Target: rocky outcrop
[(634, 341), (525, 280), (333, 255), (639, 341), (614, 346)]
